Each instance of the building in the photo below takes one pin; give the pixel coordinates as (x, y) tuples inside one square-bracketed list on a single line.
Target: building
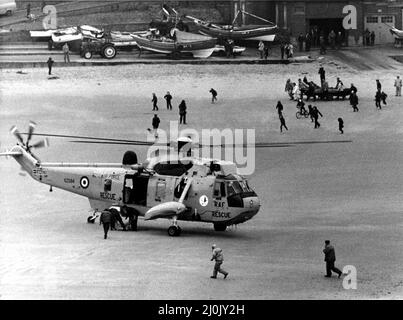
[(325, 15)]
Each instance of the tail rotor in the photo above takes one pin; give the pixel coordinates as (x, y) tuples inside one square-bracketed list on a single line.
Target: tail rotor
[(27, 147)]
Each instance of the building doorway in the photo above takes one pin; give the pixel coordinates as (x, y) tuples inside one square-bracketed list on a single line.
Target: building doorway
[(324, 26), (381, 26)]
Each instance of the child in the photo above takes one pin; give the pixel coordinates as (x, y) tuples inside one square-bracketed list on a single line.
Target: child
[(341, 125)]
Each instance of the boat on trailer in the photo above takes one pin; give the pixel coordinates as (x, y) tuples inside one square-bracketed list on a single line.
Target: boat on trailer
[(199, 46), (264, 32)]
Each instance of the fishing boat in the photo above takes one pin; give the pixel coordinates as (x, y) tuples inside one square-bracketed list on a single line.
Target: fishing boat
[(199, 46), (264, 32)]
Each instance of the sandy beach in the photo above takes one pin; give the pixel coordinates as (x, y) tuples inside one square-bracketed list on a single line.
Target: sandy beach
[(350, 193)]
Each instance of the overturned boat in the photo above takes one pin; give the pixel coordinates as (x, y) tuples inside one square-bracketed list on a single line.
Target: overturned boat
[(199, 46), (75, 35), (266, 32)]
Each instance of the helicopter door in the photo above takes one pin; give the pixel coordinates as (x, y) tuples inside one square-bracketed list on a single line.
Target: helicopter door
[(135, 190)]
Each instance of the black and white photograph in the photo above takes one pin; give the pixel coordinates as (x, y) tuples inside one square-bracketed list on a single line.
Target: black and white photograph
[(222, 150)]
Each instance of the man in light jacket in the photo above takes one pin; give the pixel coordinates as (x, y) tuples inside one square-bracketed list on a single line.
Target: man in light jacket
[(219, 259)]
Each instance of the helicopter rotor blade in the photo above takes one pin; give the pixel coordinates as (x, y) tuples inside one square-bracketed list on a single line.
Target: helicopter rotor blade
[(41, 143), (16, 133), (31, 129)]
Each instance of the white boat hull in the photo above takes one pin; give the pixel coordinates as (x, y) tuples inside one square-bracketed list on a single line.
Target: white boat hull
[(202, 53)]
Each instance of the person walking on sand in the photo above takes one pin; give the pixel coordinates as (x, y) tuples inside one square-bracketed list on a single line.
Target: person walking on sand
[(155, 123), (219, 259), (66, 52), (315, 114), (282, 123), (398, 85), (106, 219), (182, 112), (168, 98), (378, 85), (50, 63), (354, 101), (330, 258), (154, 100), (213, 95), (341, 125), (279, 108), (378, 97)]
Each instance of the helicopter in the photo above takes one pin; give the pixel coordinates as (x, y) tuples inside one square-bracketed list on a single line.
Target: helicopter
[(175, 187)]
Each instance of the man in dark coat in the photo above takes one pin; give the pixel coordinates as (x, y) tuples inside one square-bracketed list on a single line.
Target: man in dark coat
[(282, 49), (213, 95), (115, 217), (106, 219), (279, 108), (315, 115), (182, 112), (322, 74), (378, 85), (378, 97), (372, 36), (354, 101), (50, 63), (330, 258), (155, 123), (301, 39), (168, 98), (282, 123), (154, 100), (341, 125)]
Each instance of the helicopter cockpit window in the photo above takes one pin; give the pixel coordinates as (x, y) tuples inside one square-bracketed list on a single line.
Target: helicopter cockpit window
[(233, 187), (107, 185), (245, 186)]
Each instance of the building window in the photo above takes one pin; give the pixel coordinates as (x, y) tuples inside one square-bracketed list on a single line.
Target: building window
[(372, 19), (387, 19)]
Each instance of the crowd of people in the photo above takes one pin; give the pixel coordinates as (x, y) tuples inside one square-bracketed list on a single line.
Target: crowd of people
[(295, 92)]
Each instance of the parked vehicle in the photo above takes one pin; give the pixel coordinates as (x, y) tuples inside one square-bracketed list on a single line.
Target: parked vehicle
[(104, 48)]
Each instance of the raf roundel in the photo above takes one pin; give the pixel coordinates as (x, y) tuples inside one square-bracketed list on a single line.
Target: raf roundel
[(203, 200), (84, 182)]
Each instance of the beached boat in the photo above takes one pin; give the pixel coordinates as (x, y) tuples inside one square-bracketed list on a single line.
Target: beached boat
[(398, 34), (182, 42), (266, 32)]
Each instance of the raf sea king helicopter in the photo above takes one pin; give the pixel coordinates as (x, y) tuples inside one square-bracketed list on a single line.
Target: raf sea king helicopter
[(175, 188)]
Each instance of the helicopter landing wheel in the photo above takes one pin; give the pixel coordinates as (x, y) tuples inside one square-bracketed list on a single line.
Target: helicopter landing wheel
[(219, 227), (174, 231)]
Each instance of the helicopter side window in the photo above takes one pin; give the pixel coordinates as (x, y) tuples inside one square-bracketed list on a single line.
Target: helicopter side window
[(107, 185), (219, 189)]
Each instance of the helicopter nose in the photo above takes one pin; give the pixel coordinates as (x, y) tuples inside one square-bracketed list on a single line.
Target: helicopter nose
[(252, 204)]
